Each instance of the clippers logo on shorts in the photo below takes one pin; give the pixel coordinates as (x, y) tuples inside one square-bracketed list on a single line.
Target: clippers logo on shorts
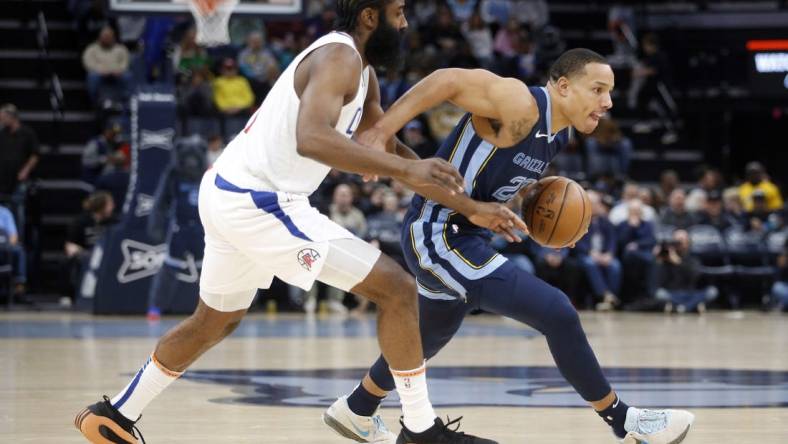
[(140, 260), (307, 257)]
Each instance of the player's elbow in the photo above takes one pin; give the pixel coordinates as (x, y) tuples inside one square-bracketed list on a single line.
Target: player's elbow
[(448, 80), (307, 142)]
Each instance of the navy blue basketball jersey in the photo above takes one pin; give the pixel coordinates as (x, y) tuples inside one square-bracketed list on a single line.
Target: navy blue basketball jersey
[(497, 174), (446, 252)]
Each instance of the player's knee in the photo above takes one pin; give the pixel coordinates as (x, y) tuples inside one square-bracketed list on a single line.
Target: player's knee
[(401, 293), (562, 315)]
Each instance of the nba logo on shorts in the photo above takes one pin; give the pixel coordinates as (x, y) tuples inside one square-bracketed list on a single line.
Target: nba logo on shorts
[(307, 257)]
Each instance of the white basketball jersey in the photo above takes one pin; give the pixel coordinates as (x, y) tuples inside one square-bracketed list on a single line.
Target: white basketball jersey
[(263, 157)]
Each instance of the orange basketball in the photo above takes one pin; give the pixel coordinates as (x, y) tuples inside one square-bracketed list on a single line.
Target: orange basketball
[(557, 212)]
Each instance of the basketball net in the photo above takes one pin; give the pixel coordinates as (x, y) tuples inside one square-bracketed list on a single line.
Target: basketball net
[(212, 18)]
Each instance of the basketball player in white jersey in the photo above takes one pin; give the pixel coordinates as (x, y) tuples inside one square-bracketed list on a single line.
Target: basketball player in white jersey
[(259, 224)]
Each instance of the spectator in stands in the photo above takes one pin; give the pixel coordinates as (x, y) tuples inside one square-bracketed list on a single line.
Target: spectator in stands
[(668, 181), (596, 253), (462, 9), (415, 137), (195, 96), (556, 268), (620, 212), (115, 177), (215, 148), (10, 246), (97, 151), (710, 180), (636, 239), (495, 11), (107, 64), (383, 231), (652, 71), (761, 219), (392, 87), (506, 39), (677, 276), (608, 150), (676, 214), (443, 36), (18, 151), (780, 286), (84, 232), (258, 65), (713, 213), (189, 57), (757, 179), (232, 93), (733, 206), (479, 36)]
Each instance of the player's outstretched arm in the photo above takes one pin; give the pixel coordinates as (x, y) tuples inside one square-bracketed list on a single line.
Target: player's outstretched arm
[(477, 91), (332, 77)]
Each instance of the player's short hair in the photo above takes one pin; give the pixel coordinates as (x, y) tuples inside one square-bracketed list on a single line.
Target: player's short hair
[(573, 62), (347, 12)]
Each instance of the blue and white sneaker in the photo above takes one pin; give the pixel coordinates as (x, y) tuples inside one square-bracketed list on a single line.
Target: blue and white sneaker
[(656, 426), (358, 428)]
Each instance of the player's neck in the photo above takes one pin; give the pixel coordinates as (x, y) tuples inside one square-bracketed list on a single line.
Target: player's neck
[(360, 42), (558, 120)]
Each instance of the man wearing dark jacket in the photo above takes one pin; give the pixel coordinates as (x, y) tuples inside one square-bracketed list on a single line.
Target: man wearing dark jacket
[(636, 240), (596, 253)]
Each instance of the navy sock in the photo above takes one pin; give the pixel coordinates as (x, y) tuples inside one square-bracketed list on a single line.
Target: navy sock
[(615, 416), (362, 402)]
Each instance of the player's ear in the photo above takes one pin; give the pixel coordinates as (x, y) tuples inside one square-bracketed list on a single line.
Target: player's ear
[(369, 17), (562, 86)]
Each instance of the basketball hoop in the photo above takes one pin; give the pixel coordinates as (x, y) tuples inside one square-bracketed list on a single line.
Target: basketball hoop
[(212, 18)]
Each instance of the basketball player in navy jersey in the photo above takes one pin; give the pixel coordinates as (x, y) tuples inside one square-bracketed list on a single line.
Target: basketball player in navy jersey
[(258, 222), (504, 143)]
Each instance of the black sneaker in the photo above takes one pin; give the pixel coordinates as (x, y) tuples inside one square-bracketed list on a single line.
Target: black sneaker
[(101, 422), (440, 434)]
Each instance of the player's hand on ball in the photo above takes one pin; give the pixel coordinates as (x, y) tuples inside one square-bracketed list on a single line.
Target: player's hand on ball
[(433, 172), (500, 219), (373, 138)]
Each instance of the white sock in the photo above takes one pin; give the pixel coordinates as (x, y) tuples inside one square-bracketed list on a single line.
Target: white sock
[(417, 411), (151, 380)]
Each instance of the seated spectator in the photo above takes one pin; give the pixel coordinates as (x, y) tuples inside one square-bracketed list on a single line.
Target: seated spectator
[(506, 39), (115, 178), (443, 35), (97, 151), (713, 213), (10, 246), (462, 9), (392, 87), (415, 137), (733, 205), (620, 211), (780, 286), (189, 57), (231, 92), (653, 71), (556, 268), (677, 276), (107, 64), (675, 214), (215, 149), (608, 150), (710, 180), (636, 240), (596, 254), (479, 36), (668, 181), (259, 65), (195, 97), (85, 231), (757, 180), (761, 218), (383, 231), (18, 151)]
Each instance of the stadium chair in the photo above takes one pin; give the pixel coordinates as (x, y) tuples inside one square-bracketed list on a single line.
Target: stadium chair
[(708, 245)]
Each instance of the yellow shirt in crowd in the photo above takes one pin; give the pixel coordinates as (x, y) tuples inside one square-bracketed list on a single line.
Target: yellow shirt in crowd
[(232, 93), (774, 200)]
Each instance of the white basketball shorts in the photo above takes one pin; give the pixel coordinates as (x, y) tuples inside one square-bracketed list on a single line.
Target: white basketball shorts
[(252, 236)]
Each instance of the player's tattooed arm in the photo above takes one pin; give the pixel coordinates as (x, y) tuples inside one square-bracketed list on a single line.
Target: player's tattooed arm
[(519, 129)]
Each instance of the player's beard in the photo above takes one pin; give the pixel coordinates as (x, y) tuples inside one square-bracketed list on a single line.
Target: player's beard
[(384, 47)]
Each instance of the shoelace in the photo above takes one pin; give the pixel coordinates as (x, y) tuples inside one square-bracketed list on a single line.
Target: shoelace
[(650, 421), (133, 427), (378, 421)]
